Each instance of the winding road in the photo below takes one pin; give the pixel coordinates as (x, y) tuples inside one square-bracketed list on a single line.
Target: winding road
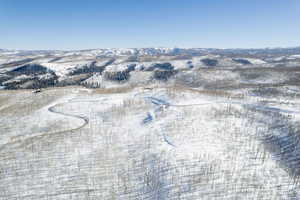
[(44, 134)]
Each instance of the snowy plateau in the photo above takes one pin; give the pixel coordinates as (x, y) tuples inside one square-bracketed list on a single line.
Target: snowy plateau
[(150, 123)]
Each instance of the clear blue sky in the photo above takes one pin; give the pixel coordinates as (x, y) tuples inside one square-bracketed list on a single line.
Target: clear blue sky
[(84, 24)]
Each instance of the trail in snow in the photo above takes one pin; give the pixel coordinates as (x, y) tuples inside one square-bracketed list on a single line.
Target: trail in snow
[(85, 119), (41, 135)]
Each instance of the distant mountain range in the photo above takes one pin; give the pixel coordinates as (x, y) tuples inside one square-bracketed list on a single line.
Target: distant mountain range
[(154, 51), (22, 69)]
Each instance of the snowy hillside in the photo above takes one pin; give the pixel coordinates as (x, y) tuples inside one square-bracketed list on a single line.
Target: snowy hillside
[(22, 69), (154, 123)]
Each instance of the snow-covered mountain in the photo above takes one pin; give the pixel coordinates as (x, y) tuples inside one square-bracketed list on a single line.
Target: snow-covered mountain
[(149, 51), (106, 67)]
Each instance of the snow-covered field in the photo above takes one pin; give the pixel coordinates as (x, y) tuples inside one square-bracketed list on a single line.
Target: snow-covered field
[(149, 143), (153, 123)]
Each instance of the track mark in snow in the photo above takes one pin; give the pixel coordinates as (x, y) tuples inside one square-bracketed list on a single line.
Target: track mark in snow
[(41, 135)]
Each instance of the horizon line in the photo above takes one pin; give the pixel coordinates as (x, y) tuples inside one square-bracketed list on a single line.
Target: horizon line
[(176, 47)]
